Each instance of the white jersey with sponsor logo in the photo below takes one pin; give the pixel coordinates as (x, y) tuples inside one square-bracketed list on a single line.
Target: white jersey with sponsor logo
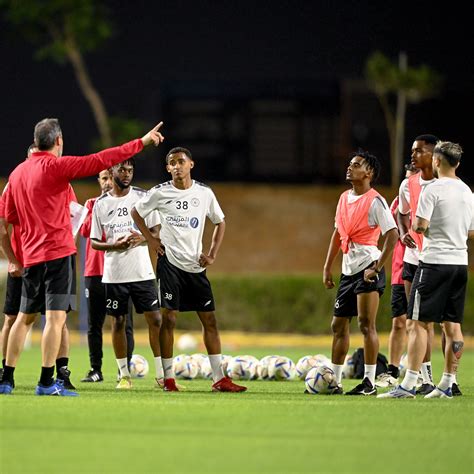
[(111, 216), (183, 214), (448, 206)]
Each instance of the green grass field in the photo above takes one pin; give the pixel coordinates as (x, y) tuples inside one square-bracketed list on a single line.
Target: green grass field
[(273, 427)]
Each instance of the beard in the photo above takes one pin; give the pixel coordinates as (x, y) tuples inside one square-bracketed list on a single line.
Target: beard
[(121, 185)]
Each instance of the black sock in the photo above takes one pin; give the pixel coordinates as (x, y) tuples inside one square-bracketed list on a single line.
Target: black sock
[(393, 370), (61, 362), (47, 374), (4, 361), (98, 368), (8, 374)]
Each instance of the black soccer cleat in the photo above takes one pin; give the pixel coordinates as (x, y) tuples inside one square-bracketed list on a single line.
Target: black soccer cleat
[(425, 389), (365, 388), (64, 376), (456, 390), (93, 375)]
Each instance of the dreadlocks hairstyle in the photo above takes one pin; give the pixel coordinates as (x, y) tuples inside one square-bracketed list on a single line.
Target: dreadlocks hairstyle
[(372, 162), (449, 151)]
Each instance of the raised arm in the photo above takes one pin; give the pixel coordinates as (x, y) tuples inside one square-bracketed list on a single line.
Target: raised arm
[(73, 167)]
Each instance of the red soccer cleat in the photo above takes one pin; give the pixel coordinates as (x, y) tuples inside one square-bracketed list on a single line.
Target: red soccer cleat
[(170, 386), (225, 384)]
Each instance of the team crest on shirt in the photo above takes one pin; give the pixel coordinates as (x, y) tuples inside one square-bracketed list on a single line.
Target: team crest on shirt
[(195, 202)]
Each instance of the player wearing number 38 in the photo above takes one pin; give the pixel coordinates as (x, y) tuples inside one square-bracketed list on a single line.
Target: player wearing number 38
[(183, 205)]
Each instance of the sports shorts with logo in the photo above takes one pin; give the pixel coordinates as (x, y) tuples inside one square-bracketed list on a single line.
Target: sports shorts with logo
[(398, 300), (408, 272), (49, 285), (438, 293), (144, 296), (350, 286), (183, 291)]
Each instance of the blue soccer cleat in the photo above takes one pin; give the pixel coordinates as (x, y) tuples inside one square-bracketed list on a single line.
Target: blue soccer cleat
[(56, 390), (440, 393), (6, 388)]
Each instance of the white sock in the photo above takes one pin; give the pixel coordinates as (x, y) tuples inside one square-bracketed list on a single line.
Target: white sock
[(426, 373), (446, 381), (369, 372), (216, 366), (159, 367), (455, 379), (337, 369), (123, 367), (409, 382), (168, 367)]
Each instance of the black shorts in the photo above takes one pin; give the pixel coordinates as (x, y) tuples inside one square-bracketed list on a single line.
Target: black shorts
[(144, 295), (399, 301), (49, 285), (350, 286), (438, 293), (408, 272), (183, 291), (12, 296)]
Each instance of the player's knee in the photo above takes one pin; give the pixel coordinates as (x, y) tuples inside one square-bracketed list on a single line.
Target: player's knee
[(339, 327), (9, 321), (154, 319), (118, 323), (399, 324), (169, 319), (366, 326), (209, 322)]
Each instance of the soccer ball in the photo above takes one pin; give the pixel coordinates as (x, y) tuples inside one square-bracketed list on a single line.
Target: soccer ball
[(200, 360), (262, 366), (281, 368), (206, 370), (138, 366), (348, 368), (184, 367), (186, 343), (304, 364), (242, 368), (320, 380), (226, 360), (321, 359)]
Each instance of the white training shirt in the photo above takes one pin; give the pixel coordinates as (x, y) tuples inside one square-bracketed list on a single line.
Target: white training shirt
[(111, 215), (448, 206), (411, 255), (183, 215), (360, 256)]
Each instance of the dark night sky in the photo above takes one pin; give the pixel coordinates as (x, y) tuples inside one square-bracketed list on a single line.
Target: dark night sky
[(236, 41)]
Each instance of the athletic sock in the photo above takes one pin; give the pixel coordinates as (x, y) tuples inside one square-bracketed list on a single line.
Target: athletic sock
[(393, 370), (410, 379), (98, 368), (216, 366), (47, 376), (4, 361), (426, 373), (123, 367), (159, 367), (369, 372), (168, 367), (60, 363), (447, 381), (8, 374), (337, 369)]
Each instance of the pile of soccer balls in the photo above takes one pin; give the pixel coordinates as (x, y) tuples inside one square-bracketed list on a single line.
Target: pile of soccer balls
[(314, 370)]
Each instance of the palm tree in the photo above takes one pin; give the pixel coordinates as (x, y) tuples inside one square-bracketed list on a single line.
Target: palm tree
[(391, 81)]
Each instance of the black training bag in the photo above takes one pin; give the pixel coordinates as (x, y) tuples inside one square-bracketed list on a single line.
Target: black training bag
[(358, 361)]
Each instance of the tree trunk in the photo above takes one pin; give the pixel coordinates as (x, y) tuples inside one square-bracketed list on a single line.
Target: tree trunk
[(90, 93), (397, 158)]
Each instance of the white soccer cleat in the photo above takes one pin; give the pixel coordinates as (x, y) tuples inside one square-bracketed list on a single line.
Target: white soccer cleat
[(398, 392), (385, 380), (439, 393)]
